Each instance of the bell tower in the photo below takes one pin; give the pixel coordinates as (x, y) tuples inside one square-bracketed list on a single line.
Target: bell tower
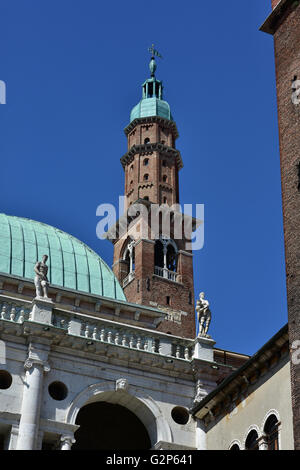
[(153, 264)]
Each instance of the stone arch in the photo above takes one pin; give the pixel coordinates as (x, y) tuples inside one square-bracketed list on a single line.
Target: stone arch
[(262, 428), (270, 412), (144, 407), (235, 442), (253, 427)]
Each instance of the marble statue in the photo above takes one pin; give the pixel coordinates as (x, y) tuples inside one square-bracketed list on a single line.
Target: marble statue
[(41, 281), (203, 314)]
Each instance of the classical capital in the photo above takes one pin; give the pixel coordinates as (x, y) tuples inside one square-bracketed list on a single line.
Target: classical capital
[(67, 440), (34, 362)]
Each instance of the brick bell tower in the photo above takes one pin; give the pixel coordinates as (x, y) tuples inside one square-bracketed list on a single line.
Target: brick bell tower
[(284, 24), (153, 265)]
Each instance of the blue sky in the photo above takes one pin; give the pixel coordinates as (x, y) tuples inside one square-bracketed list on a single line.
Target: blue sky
[(74, 70)]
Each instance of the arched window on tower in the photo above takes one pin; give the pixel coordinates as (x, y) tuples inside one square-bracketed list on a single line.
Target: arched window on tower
[(165, 259), (271, 432), (252, 441), (171, 259), (129, 258)]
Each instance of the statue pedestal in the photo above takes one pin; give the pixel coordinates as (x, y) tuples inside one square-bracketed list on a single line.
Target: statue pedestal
[(42, 310), (204, 348)]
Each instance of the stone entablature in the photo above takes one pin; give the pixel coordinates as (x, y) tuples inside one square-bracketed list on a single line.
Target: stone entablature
[(92, 330)]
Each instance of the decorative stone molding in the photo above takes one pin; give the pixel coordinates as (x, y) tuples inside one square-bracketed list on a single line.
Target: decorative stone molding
[(122, 385)]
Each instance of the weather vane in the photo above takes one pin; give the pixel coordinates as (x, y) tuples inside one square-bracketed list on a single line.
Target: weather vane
[(154, 52)]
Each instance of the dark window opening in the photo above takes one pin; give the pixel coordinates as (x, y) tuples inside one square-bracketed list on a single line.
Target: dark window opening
[(159, 254), (146, 162), (298, 168), (165, 178), (171, 259), (234, 447), (146, 177), (146, 198), (168, 300), (150, 90), (271, 431), (147, 140), (5, 379), (252, 441), (58, 391), (180, 415)]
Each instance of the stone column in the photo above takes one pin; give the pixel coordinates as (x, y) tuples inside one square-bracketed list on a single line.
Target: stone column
[(201, 443), (35, 366), (67, 441), (263, 443)]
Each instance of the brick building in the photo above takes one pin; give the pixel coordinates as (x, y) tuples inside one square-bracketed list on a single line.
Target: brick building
[(284, 24)]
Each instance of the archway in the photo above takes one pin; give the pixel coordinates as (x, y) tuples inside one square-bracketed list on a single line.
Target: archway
[(109, 426), (144, 407)]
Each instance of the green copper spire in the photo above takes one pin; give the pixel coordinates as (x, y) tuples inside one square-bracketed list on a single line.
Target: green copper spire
[(152, 103)]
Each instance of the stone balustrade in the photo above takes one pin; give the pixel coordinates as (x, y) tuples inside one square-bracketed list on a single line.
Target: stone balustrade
[(166, 273), (105, 331), (14, 311)]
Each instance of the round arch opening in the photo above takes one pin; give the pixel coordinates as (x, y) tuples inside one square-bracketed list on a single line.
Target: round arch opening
[(108, 426)]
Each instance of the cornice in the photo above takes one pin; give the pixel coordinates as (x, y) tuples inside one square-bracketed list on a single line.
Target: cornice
[(278, 15), (160, 120), (147, 149)]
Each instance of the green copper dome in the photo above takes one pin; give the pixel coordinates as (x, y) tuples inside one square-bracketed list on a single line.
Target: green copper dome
[(151, 107), (72, 264), (152, 103)]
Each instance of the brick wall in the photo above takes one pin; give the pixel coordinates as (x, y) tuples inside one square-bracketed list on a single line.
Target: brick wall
[(287, 58)]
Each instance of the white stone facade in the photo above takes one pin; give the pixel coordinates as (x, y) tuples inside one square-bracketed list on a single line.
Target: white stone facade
[(97, 360)]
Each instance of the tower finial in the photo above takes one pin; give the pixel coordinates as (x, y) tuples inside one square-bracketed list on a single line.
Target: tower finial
[(152, 65)]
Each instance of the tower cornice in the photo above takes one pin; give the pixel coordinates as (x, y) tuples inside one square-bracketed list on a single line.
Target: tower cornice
[(146, 149), (145, 120), (279, 13)]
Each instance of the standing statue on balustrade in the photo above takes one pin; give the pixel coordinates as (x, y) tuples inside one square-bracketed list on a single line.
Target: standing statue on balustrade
[(41, 281), (203, 315)]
